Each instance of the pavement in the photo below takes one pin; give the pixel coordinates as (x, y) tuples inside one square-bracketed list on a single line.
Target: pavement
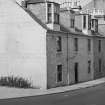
[(6, 93)]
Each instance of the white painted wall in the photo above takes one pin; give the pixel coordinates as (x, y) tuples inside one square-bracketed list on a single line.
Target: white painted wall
[(22, 44)]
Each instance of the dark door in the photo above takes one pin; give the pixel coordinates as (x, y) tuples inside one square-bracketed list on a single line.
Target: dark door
[(76, 72)]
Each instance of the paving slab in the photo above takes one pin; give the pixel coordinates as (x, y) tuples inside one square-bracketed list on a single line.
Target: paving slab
[(6, 92)]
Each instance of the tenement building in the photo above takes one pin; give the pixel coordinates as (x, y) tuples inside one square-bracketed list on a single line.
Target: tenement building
[(52, 44)]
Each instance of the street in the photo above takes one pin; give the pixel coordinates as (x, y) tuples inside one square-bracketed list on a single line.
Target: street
[(89, 96)]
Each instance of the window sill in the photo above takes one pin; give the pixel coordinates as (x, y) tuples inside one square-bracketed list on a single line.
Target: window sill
[(59, 53), (59, 82)]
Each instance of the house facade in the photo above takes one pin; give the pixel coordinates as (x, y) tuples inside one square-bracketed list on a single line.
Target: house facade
[(50, 44)]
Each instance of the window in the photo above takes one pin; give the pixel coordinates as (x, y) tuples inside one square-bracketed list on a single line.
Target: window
[(93, 23), (56, 18), (56, 8), (84, 21), (59, 43), (72, 23), (49, 17), (89, 45), (24, 4), (96, 25), (99, 46), (52, 16), (100, 65), (76, 44), (75, 3), (89, 66), (56, 14), (49, 8), (59, 73), (49, 14), (89, 22)]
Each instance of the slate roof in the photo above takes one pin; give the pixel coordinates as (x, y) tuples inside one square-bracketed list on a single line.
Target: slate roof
[(62, 28), (38, 1), (36, 19), (35, 1)]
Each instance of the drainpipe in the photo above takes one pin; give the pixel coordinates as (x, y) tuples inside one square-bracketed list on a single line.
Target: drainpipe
[(68, 75)]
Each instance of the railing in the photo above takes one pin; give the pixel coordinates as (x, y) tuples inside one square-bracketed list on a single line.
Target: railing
[(70, 3), (95, 12), (84, 2)]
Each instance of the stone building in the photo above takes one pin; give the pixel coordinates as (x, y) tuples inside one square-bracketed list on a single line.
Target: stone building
[(50, 44)]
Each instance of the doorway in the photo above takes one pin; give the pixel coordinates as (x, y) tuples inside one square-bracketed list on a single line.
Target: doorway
[(76, 72)]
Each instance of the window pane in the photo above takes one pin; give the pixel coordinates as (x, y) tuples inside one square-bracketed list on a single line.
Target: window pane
[(56, 18), (99, 46), (49, 17), (59, 43), (84, 21), (72, 23), (75, 3), (56, 9), (89, 22), (49, 8), (96, 25), (89, 45), (92, 23), (76, 44)]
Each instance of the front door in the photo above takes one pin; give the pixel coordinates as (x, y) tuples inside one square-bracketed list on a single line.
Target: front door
[(76, 72)]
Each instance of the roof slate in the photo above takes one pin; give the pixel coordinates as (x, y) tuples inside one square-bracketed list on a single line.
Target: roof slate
[(35, 1), (36, 19)]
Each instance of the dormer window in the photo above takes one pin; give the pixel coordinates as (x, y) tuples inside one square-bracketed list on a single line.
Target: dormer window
[(94, 26), (52, 13), (89, 22), (56, 14), (24, 4), (75, 3), (49, 8), (84, 21), (49, 13), (56, 18), (93, 23), (72, 23)]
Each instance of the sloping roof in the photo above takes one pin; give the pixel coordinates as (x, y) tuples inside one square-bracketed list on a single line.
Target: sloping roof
[(40, 1), (62, 28), (35, 1), (36, 19)]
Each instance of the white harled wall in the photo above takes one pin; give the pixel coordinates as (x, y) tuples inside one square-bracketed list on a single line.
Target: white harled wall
[(22, 44)]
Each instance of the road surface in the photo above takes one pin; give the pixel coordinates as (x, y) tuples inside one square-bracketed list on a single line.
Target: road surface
[(89, 96)]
